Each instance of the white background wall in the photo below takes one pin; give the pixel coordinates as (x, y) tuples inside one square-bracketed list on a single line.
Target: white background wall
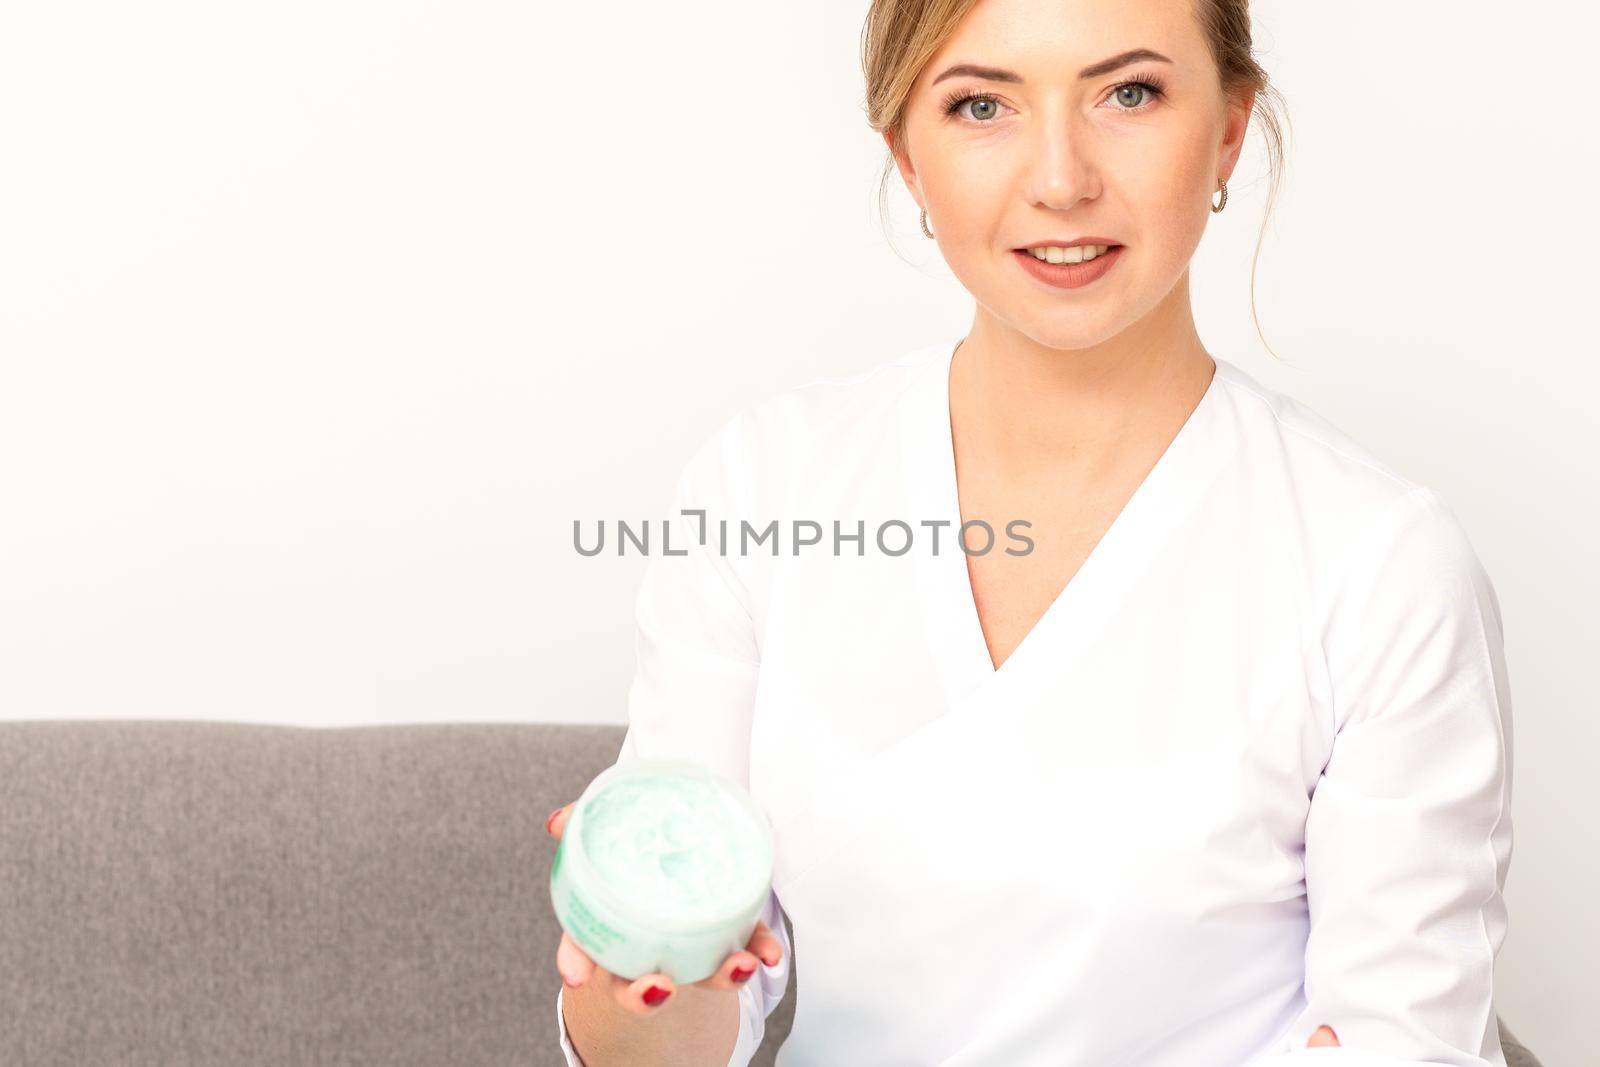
[(321, 322)]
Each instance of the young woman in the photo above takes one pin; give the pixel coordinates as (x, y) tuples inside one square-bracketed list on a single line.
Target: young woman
[(1194, 750)]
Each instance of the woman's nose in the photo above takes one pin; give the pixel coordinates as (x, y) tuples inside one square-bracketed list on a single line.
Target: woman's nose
[(1062, 169)]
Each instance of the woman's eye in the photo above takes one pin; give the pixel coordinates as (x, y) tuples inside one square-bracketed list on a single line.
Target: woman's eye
[(984, 107), (1135, 95)]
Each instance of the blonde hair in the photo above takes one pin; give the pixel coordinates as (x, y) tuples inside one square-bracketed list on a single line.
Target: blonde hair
[(899, 37)]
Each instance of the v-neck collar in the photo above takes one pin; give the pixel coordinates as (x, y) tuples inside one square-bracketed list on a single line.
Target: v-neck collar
[(949, 610)]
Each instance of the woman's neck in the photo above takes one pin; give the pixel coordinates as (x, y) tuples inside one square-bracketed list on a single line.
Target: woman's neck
[(1072, 415)]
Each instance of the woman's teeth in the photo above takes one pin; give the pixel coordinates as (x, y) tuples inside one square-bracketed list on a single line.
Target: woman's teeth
[(1075, 254)]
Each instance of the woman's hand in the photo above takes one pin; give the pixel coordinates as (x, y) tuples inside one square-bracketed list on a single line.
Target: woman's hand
[(646, 993), (1323, 1037)]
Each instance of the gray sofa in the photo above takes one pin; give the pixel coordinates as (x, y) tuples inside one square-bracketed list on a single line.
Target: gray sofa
[(193, 893)]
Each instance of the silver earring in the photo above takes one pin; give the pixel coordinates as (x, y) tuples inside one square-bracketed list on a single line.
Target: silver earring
[(1215, 207), (926, 232)]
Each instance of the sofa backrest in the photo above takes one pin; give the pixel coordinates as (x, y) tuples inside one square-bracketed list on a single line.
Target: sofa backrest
[(178, 892)]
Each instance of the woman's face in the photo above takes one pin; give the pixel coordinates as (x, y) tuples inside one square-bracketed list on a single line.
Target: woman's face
[(1064, 147)]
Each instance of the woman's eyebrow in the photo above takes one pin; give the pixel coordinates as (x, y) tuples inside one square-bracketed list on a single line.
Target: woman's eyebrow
[(1094, 70)]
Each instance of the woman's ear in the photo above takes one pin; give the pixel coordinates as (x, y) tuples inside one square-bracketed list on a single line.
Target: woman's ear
[(902, 162), (1236, 125)]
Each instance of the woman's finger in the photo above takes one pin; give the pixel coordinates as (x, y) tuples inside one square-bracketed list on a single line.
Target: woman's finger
[(646, 994), (735, 971), (557, 820), (572, 962), (764, 945), (1324, 1037)]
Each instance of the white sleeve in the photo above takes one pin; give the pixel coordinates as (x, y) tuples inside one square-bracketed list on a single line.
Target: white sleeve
[(1408, 836), (698, 657), (761, 991)]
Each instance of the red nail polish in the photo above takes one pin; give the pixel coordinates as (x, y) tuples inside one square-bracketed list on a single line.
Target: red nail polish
[(550, 819), (741, 974), (655, 995)]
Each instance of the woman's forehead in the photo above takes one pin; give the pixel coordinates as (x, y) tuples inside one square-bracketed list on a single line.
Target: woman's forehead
[(1039, 38)]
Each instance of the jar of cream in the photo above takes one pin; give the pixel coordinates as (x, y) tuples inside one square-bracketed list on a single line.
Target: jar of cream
[(663, 865)]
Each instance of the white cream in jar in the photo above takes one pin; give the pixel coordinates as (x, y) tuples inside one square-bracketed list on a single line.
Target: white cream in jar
[(663, 865)]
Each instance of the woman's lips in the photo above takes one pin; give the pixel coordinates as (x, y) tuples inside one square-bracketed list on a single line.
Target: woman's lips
[(1068, 275)]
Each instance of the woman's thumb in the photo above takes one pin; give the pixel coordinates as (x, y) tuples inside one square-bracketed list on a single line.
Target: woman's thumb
[(1324, 1037)]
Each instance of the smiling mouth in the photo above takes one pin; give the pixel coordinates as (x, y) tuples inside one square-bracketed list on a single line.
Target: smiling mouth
[(1069, 253)]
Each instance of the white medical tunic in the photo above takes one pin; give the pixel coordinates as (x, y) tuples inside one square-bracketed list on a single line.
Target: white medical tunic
[(1248, 775)]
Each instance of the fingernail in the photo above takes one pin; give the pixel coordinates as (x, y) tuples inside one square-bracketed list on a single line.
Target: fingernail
[(741, 973), (550, 819), (655, 995)]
